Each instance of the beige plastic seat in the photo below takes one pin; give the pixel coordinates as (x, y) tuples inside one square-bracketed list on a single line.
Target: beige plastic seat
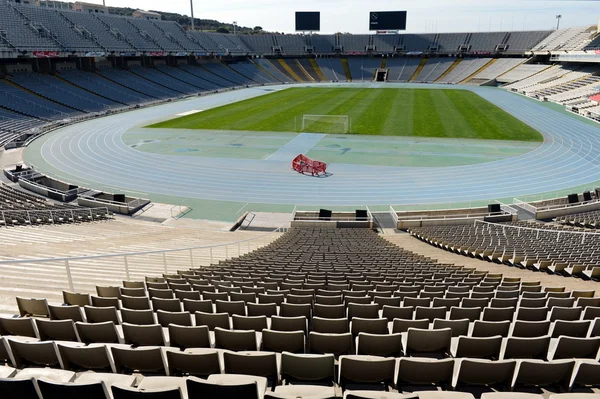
[(330, 326), (83, 358), (430, 313), (103, 302), (95, 314), (136, 302), (57, 330), (482, 372), (310, 368), (23, 327), (280, 323), (147, 335), (108, 292), (227, 386), (193, 306), (195, 362), (371, 326), (336, 344), (98, 333), (530, 329), (420, 341), (283, 341), (167, 305), (539, 373), (570, 314), (586, 373), (65, 312), (76, 298), (33, 353), (135, 292), (32, 307), (577, 329), (120, 392), (191, 295), (478, 347), (397, 312), (295, 310), (578, 348), (491, 328), (134, 284), (139, 317), (532, 314), (146, 360), (424, 371), (255, 323), (159, 293), (301, 392), (498, 314), (389, 345), (362, 370), (526, 348), (184, 337), (369, 311), (231, 307), (261, 309), (235, 340), (402, 325), (212, 320), (459, 313), (150, 384), (458, 327), (165, 318), (260, 364)]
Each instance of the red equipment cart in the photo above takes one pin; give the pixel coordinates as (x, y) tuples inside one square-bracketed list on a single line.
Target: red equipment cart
[(303, 164)]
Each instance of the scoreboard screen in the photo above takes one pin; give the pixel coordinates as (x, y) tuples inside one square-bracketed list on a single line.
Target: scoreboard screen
[(387, 20), (308, 21)]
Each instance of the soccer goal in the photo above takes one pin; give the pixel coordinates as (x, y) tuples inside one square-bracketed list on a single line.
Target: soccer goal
[(326, 123)]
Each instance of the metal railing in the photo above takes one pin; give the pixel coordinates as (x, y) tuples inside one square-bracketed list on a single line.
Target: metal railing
[(83, 273), (558, 232), (54, 216)]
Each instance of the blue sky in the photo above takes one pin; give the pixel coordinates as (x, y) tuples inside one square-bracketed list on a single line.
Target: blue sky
[(423, 15)]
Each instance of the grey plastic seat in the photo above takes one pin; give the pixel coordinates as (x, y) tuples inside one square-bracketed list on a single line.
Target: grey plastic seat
[(193, 306), (388, 345), (198, 362), (330, 326), (283, 341), (458, 327), (539, 373), (430, 313), (429, 342), (146, 335), (235, 340), (98, 332), (490, 328), (336, 344), (260, 364), (578, 329), (280, 323), (143, 360), (65, 312), (136, 302), (94, 314), (366, 370), (139, 317), (530, 329), (83, 358), (480, 372), (34, 354), (165, 318), (526, 348), (256, 323), (402, 325), (21, 326), (32, 307), (478, 347), (424, 371), (310, 368), (572, 347), (471, 314), (397, 312), (212, 320), (370, 326)]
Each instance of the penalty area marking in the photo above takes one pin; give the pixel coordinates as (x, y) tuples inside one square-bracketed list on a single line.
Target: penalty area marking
[(194, 111)]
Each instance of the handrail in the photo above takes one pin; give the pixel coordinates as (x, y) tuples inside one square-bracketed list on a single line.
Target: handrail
[(127, 254)]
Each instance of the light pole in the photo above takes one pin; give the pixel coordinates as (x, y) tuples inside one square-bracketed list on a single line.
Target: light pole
[(558, 17), (192, 12), (234, 26)]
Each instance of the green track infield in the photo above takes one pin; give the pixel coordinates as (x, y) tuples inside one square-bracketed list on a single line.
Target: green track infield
[(445, 113)]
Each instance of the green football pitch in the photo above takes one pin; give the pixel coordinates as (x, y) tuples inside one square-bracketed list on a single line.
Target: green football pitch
[(445, 113)]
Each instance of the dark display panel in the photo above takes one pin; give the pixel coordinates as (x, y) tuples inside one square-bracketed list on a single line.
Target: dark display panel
[(387, 20), (308, 21)]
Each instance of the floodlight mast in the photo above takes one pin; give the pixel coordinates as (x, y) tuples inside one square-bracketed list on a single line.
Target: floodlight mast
[(192, 12), (558, 17)]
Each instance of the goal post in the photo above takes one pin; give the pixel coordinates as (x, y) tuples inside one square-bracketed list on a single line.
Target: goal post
[(326, 123)]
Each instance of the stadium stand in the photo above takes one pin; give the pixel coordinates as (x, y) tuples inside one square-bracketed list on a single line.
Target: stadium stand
[(464, 70), (565, 39), (401, 69), (291, 44), (542, 247), (332, 68), (387, 297), (27, 103), (272, 70), (253, 73), (323, 44), (363, 68), (137, 83), (434, 68), (501, 66), (521, 72)]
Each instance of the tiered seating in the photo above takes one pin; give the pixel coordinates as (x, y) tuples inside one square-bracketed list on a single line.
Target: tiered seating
[(149, 28), (128, 30), (260, 44), (103, 87), (20, 208), (485, 41), (15, 99), (333, 309), (182, 75), (542, 247), (206, 42), (165, 81), (56, 23), (332, 68), (324, 43), (272, 70), (363, 68), (580, 89), (434, 68), (206, 75), (545, 75), (568, 79), (565, 39), (589, 219), (100, 32), (354, 43), (521, 72), (56, 90), (227, 73), (466, 68), (13, 125), (499, 67), (253, 73), (402, 69), (291, 44), (523, 41), (22, 36), (134, 82)]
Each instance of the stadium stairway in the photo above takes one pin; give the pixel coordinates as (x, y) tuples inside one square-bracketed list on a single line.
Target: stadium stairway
[(419, 69), (383, 63), (289, 70), (113, 237), (317, 70), (447, 71), (347, 69), (304, 68), (483, 68)]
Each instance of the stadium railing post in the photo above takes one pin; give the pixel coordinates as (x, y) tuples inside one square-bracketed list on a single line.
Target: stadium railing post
[(192, 258), (69, 277), (165, 262), (126, 268)]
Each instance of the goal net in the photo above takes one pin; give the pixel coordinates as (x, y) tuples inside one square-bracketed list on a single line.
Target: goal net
[(326, 123)]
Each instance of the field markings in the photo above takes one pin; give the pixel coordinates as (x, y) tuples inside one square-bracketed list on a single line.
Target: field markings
[(301, 144)]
